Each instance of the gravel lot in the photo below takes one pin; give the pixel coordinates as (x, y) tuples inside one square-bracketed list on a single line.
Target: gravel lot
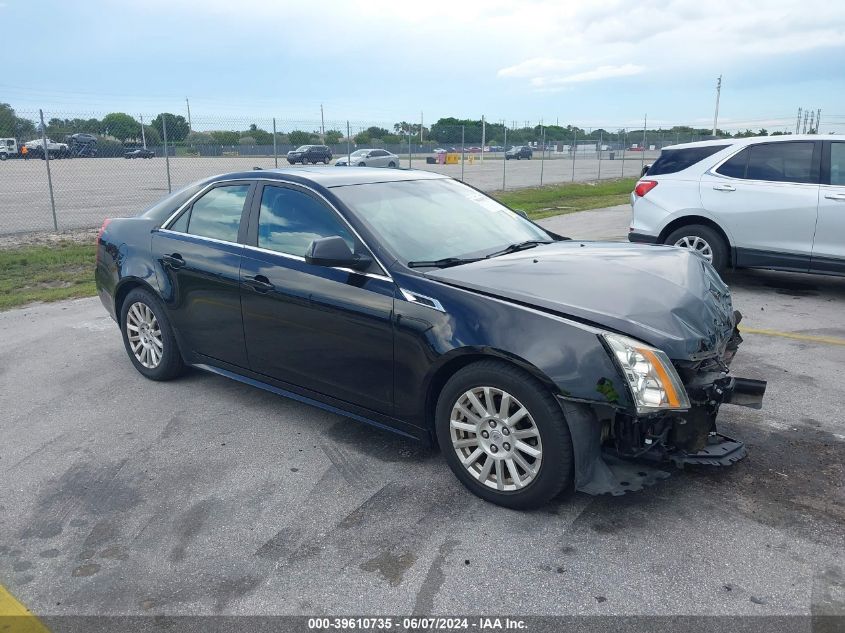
[(90, 190), (204, 496)]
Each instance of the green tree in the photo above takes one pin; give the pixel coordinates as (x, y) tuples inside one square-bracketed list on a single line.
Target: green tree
[(121, 126), (151, 135), (298, 137), (246, 140), (362, 138), (261, 137), (225, 137), (177, 127), (199, 138), (14, 126), (333, 137)]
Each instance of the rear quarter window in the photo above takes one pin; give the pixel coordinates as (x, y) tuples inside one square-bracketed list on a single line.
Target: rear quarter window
[(672, 161)]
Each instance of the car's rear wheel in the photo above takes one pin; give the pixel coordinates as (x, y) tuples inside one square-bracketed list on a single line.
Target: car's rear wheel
[(504, 435), (362, 164), (148, 336), (703, 240)]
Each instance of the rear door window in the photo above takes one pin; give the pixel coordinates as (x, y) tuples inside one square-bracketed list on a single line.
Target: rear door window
[(671, 161), (781, 162), (217, 214)]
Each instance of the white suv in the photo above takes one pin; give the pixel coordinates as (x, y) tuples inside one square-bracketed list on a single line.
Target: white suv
[(762, 202)]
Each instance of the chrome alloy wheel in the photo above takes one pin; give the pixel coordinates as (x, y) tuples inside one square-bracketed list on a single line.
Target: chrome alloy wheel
[(144, 335), (496, 438), (697, 244)]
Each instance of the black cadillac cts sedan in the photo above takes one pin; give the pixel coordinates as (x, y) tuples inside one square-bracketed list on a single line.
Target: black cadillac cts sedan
[(410, 301)]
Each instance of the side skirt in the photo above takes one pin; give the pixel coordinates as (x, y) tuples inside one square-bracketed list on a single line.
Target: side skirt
[(390, 424)]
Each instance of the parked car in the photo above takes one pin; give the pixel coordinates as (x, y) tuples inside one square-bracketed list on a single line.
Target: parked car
[(440, 150), (369, 158), (82, 144), (141, 152), (534, 361), (519, 152), (54, 149), (760, 202), (8, 148), (310, 154)]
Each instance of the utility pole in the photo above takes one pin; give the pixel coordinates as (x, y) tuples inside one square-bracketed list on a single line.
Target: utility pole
[(812, 114), (804, 130), (818, 120), (642, 154), (718, 93), (143, 136), (188, 103), (798, 122), (322, 125)]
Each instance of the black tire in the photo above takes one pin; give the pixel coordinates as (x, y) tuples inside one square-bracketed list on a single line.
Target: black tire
[(362, 164), (718, 246), (2, 157), (171, 364), (391, 164), (556, 468), (519, 158), (326, 161)]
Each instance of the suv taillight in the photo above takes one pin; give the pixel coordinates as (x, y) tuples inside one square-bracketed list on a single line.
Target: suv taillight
[(644, 186), (102, 229)]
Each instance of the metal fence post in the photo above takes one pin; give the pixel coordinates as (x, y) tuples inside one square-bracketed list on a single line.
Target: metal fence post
[(409, 147), (624, 147), (574, 151), (543, 157), (462, 153), (46, 152), (505, 158), (642, 156), (166, 152), (601, 137), (348, 146), (275, 151)]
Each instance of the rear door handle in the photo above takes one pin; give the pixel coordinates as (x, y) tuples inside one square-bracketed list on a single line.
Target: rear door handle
[(835, 196), (724, 188), (174, 260), (259, 283)]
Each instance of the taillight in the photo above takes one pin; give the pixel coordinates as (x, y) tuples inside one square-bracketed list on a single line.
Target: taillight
[(102, 229), (644, 186)]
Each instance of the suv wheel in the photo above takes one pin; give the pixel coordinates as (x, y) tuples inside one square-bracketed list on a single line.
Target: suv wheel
[(504, 435), (704, 241)]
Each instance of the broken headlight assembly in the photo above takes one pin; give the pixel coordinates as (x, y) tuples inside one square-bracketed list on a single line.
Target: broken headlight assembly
[(652, 380)]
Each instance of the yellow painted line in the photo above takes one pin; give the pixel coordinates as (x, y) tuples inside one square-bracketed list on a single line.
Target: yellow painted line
[(827, 340), (16, 618)]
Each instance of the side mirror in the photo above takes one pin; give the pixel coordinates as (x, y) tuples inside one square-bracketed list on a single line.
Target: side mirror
[(334, 251)]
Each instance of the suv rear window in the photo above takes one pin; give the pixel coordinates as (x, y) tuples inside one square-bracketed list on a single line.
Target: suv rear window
[(671, 161)]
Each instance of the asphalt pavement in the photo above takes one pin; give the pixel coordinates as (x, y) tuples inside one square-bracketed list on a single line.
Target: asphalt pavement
[(204, 496)]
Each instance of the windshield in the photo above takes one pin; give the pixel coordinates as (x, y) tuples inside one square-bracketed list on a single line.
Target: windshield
[(302, 148), (436, 219), (359, 152)]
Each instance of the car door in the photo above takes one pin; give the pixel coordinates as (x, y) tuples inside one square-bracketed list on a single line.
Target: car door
[(766, 197), (325, 329), (829, 242), (198, 260)]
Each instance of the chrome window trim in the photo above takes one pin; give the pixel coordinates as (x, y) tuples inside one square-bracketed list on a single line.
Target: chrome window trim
[(164, 225), (414, 297), (204, 238)]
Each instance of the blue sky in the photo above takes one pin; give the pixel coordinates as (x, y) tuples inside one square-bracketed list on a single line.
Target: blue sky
[(592, 63)]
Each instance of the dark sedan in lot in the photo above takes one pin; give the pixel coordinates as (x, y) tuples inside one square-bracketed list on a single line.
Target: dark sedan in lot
[(519, 152), (141, 152), (415, 303)]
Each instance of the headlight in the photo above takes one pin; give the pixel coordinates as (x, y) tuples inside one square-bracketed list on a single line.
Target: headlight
[(654, 383)]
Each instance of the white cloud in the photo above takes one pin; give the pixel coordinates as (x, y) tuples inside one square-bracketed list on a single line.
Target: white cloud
[(544, 75)]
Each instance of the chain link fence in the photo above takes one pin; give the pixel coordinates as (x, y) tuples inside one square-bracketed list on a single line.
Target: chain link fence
[(77, 169)]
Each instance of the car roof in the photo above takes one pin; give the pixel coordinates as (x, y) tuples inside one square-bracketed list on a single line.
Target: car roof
[(331, 176), (751, 140)]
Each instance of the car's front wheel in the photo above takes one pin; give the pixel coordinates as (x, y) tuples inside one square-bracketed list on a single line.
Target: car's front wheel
[(148, 336), (704, 241), (391, 164), (504, 435)]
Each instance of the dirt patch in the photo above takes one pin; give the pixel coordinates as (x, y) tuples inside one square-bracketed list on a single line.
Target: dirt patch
[(17, 240)]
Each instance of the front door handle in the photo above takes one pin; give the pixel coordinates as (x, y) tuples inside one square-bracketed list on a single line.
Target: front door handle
[(835, 196), (724, 188), (174, 260), (259, 283)]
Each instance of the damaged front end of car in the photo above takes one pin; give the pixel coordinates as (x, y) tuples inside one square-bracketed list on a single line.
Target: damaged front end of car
[(673, 420)]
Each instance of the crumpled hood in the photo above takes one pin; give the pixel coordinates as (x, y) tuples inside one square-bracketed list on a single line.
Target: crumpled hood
[(668, 297)]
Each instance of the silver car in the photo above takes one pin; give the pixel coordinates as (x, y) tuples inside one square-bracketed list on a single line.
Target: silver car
[(369, 158)]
